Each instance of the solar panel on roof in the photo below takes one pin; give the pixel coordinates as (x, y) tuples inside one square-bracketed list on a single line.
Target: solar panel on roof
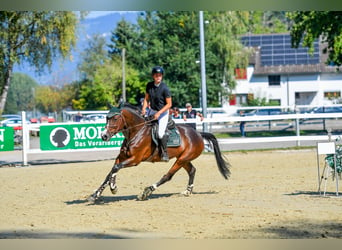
[(276, 50)]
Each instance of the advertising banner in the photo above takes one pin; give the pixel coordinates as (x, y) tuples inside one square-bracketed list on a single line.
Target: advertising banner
[(6, 138), (76, 136)]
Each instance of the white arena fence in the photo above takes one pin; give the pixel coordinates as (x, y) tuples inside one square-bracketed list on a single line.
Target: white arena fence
[(93, 131)]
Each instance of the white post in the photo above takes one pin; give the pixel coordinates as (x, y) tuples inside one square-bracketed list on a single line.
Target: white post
[(297, 128), (203, 76), (123, 75), (26, 137), (336, 174)]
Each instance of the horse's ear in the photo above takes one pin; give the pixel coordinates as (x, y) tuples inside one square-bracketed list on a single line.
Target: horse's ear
[(109, 105), (121, 104), (113, 111)]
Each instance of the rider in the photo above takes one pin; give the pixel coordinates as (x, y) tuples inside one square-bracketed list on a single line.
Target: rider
[(158, 96)]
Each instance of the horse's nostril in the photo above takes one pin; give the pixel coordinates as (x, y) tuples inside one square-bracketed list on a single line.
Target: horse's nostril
[(104, 137)]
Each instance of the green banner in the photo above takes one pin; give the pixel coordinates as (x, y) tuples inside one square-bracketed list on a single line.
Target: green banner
[(76, 136), (6, 138)]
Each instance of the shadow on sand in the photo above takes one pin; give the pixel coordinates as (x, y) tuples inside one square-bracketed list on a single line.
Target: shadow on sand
[(111, 199)]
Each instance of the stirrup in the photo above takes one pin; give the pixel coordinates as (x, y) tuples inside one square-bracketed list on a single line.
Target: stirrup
[(165, 158)]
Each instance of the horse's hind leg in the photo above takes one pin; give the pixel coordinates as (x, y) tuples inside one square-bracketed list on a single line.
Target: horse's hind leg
[(148, 190), (191, 172), (168, 176)]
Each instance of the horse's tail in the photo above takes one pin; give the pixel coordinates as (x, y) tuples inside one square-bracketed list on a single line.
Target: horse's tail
[(221, 161)]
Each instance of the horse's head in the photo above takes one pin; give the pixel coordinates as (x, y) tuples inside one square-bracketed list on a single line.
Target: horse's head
[(115, 123), (121, 120)]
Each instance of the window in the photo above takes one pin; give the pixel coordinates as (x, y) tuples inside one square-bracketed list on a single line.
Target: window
[(274, 80), (241, 99)]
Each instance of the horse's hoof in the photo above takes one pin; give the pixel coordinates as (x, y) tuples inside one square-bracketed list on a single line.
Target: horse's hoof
[(114, 190), (91, 198), (186, 193), (141, 197), (147, 192)]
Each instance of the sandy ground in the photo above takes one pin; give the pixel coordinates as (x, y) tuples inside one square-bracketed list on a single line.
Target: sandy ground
[(270, 194)]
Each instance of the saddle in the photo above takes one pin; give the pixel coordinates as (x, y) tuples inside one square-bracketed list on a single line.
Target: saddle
[(172, 131)]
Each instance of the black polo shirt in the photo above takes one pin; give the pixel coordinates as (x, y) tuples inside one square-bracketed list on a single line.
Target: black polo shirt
[(158, 95), (191, 115)]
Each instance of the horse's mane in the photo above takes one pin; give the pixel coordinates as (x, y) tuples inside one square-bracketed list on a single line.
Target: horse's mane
[(133, 109), (130, 106), (127, 106)]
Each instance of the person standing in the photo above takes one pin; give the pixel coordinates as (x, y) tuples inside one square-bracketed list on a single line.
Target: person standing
[(191, 114), (78, 117), (158, 97), (242, 125)]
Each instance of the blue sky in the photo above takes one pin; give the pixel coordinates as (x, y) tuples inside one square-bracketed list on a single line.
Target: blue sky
[(95, 14), (63, 71)]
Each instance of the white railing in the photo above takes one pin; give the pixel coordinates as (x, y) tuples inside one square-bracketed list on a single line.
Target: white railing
[(285, 117), (26, 148)]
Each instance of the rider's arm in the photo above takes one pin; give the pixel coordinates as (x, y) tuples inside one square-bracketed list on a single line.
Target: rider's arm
[(145, 103)]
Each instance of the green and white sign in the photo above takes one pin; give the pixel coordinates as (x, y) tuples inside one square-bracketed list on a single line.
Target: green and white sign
[(6, 138), (76, 136)]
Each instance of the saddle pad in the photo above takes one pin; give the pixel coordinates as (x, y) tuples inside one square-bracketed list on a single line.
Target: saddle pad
[(174, 138)]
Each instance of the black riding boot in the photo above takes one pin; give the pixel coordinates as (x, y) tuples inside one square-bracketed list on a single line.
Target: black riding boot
[(163, 148)]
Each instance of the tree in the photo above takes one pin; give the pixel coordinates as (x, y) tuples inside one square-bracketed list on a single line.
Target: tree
[(311, 25), (106, 87), (224, 51), (102, 78), (33, 37), (93, 56), (68, 93), (48, 99), (171, 40), (261, 22), (21, 95), (167, 39)]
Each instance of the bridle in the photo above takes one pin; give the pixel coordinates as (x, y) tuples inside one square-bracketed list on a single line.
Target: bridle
[(125, 128)]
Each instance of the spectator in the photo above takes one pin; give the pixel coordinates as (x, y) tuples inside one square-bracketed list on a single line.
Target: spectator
[(176, 113), (242, 125), (191, 114), (78, 117)]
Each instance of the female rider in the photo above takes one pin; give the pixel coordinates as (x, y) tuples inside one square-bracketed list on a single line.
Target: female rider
[(158, 96)]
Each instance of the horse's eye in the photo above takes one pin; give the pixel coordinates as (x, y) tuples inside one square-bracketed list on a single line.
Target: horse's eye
[(115, 118)]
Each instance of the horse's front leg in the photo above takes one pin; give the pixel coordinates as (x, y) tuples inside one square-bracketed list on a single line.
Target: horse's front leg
[(112, 183), (120, 162), (109, 180)]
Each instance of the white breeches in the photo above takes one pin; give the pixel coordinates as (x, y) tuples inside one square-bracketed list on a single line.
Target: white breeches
[(162, 121)]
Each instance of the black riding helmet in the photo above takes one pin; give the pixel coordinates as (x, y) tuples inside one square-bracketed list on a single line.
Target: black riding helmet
[(157, 69)]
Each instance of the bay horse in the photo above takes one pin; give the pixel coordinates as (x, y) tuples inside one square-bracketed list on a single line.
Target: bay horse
[(138, 146)]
